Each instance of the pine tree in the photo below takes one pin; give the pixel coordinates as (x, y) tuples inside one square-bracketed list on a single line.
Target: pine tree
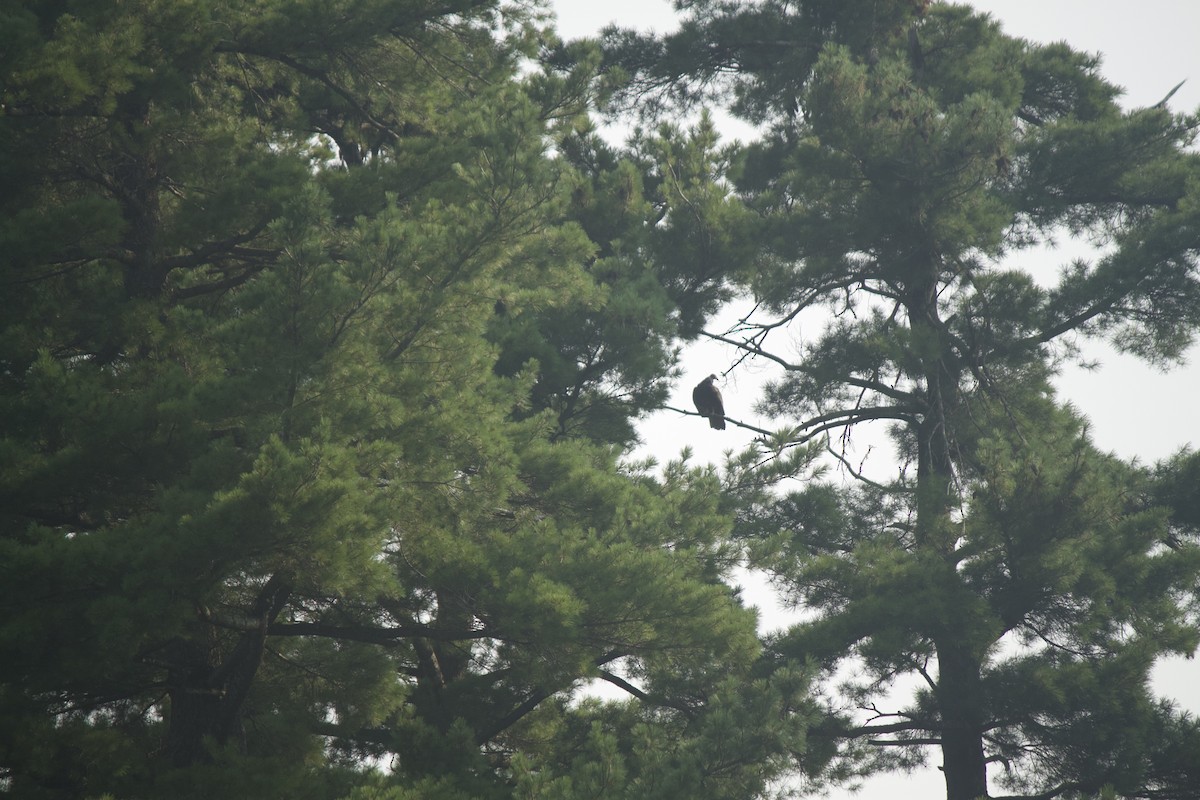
[(911, 154), (279, 499)]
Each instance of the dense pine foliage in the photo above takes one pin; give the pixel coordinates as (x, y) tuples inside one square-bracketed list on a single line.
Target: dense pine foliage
[(328, 327)]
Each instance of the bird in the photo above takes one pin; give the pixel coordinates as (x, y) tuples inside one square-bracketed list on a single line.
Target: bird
[(707, 398)]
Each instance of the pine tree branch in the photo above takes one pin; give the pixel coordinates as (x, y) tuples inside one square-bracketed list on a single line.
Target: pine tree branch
[(379, 736), (621, 683), (731, 420), (358, 633), (847, 417), (531, 702), (625, 685), (881, 388), (1046, 335), (1163, 103), (1057, 791), (895, 727), (229, 282), (856, 474), (862, 383), (205, 252), (320, 76), (752, 349)]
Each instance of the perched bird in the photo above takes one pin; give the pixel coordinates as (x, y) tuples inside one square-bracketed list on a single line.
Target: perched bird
[(707, 398)]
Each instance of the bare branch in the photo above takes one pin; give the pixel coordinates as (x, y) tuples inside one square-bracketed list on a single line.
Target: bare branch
[(751, 348), (857, 475), (834, 419), (745, 425)]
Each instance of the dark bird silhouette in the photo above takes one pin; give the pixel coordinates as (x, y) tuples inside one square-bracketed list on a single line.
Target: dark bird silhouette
[(707, 398)]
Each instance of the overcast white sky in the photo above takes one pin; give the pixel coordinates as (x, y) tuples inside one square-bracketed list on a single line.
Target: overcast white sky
[(1135, 410)]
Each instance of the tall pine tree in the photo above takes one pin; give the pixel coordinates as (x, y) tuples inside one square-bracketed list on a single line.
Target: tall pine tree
[(281, 500), (911, 154)]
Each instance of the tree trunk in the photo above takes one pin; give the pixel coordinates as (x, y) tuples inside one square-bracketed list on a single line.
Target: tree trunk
[(194, 702), (958, 690), (207, 694), (939, 371), (959, 700), (136, 182)]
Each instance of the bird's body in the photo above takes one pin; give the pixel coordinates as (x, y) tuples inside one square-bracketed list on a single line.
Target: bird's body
[(707, 398)]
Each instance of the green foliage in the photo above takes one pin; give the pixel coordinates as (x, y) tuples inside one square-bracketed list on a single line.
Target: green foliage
[(291, 488), (911, 155), (759, 55), (633, 750), (665, 231), (1175, 489), (1062, 586), (319, 368)]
